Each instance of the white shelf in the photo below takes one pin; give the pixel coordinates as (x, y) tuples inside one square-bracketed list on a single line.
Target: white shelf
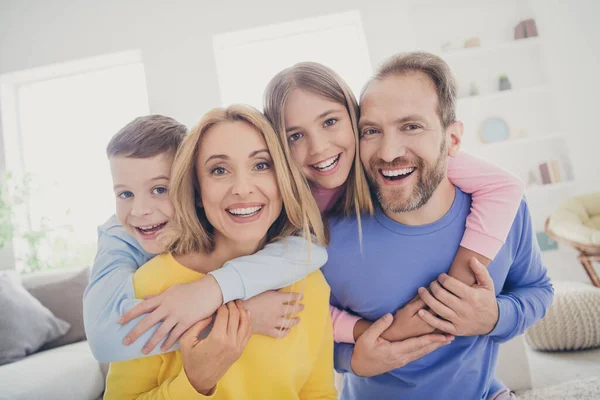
[(543, 189), (505, 94), (509, 143), (513, 45)]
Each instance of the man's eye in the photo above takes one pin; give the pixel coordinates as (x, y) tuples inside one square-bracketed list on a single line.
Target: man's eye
[(159, 190), (369, 131), (413, 127), (330, 122), (295, 136), (125, 195)]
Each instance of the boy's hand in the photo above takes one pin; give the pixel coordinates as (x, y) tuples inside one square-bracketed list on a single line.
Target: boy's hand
[(272, 312), (205, 361), (407, 323), (178, 308)]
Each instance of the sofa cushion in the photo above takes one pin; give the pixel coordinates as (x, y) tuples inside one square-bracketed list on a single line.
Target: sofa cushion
[(66, 372), (26, 325), (64, 298)]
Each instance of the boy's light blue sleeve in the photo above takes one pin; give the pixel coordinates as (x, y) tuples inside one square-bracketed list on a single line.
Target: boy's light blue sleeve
[(527, 293), (110, 294), (278, 265)]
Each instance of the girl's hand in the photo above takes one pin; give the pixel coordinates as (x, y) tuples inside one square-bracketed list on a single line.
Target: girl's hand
[(407, 323), (273, 312), (205, 361)]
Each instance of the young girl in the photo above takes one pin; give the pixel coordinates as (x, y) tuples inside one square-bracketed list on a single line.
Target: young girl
[(316, 116), (232, 162)]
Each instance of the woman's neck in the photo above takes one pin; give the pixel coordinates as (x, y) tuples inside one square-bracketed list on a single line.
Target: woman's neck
[(224, 250)]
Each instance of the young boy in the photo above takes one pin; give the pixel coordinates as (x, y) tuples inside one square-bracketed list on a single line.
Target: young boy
[(141, 155)]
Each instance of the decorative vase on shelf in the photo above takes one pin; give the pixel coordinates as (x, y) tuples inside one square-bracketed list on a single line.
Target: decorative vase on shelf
[(504, 83)]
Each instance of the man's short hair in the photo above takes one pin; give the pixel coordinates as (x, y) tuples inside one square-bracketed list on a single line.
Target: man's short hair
[(432, 66), (146, 137)]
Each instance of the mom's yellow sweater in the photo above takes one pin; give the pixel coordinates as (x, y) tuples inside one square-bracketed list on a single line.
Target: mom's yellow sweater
[(299, 366)]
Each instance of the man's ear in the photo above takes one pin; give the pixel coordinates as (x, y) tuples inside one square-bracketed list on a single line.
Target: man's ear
[(454, 134)]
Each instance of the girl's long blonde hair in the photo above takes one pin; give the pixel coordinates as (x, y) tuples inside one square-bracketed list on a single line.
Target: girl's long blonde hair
[(322, 81), (190, 230)]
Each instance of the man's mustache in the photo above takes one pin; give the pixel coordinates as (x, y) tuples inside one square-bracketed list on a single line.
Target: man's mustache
[(400, 162)]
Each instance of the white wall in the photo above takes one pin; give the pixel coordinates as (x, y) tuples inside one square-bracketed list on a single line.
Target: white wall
[(176, 42)]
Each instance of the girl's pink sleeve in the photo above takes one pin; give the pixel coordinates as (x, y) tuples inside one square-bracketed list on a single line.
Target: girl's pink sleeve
[(343, 325), (496, 197)]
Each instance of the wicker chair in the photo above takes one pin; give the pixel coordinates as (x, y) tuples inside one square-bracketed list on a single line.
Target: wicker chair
[(577, 222)]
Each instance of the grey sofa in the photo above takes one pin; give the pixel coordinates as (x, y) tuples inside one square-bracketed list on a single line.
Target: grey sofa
[(66, 372)]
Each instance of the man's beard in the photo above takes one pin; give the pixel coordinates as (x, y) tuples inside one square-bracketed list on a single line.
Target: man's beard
[(396, 200)]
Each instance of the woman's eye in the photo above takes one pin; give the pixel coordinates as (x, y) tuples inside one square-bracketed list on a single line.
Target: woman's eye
[(263, 166), (218, 171), (295, 136), (330, 122), (125, 195), (159, 190)]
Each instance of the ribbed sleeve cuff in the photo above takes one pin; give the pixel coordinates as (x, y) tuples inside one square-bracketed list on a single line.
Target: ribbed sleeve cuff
[(181, 388), (230, 282), (481, 243), (343, 329), (507, 319)]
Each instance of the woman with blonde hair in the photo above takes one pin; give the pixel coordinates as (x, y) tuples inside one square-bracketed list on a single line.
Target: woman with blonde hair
[(316, 117), (233, 193)]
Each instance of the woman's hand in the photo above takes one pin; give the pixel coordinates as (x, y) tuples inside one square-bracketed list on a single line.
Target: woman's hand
[(205, 361), (272, 312)]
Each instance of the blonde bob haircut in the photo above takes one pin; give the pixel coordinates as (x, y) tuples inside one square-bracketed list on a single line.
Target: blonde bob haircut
[(192, 233), (322, 81)]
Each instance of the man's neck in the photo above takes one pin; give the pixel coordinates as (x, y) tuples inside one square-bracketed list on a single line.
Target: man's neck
[(437, 206)]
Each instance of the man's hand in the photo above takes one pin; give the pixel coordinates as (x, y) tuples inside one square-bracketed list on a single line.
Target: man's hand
[(374, 356), (407, 323), (464, 310), (205, 361), (273, 312), (178, 308)]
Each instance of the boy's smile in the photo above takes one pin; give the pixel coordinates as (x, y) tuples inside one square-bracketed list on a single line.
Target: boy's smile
[(142, 199)]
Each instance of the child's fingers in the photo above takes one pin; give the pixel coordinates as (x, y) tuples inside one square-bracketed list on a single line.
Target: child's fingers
[(245, 329), (144, 307), (162, 331), (148, 322), (291, 309), (190, 336), (292, 297), (287, 323), (220, 327), (174, 336)]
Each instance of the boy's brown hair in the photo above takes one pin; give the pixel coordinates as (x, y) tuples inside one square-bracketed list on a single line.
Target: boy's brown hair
[(146, 137)]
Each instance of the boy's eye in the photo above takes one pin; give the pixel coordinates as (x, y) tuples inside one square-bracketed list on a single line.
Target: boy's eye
[(295, 136), (218, 171), (262, 166), (125, 195), (159, 190), (330, 122)]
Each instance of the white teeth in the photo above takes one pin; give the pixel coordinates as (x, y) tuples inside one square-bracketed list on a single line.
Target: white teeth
[(397, 172), (327, 164), (244, 211), (150, 226)]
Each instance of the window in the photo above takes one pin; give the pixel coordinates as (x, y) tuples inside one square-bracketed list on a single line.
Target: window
[(247, 60), (56, 123)]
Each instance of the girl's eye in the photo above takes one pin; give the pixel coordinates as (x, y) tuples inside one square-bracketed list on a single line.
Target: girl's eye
[(330, 122), (218, 171), (125, 195), (262, 166), (295, 136), (159, 190)]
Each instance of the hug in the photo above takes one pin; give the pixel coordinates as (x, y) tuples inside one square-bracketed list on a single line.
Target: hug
[(254, 253)]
